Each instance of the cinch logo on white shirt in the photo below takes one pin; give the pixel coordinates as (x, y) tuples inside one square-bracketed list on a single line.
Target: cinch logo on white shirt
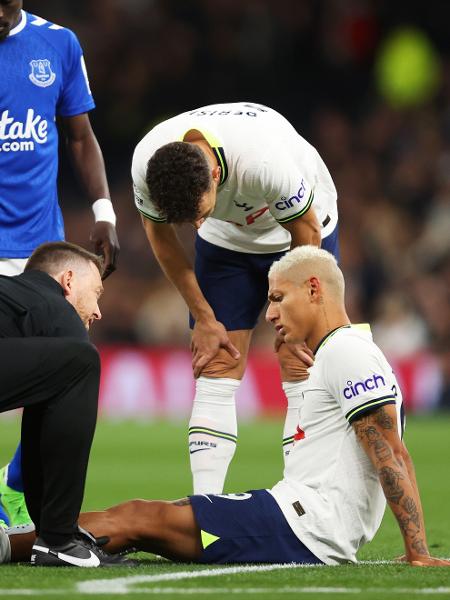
[(371, 383), (34, 130), (289, 203)]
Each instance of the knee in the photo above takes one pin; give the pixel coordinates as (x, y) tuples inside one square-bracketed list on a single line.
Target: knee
[(149, 516), (224, 365), (85, 354), (291, 366)]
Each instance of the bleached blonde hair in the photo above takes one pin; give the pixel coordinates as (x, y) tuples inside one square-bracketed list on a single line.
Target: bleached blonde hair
[(304, 262)]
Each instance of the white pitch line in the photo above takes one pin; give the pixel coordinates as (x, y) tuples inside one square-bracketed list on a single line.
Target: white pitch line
[(114, 586), (120, 585), (124, 585), (240, 590), (30, 592), (289, 590)]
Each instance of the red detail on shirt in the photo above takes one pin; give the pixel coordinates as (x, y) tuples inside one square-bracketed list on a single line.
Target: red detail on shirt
[(300, 435)]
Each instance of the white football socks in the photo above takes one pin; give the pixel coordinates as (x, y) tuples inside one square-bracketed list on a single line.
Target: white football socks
[(212, 433), (293, 391)]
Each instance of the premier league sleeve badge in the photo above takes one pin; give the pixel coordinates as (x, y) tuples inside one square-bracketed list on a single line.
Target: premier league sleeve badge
[(41, 73)]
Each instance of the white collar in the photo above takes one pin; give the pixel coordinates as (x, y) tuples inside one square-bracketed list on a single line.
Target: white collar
[(20, 25)]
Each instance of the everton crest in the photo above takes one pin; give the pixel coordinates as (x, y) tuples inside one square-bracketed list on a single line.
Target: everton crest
[(41, 73)]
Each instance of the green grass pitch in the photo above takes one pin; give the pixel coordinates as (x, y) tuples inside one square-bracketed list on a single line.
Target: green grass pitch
[(149, 460)]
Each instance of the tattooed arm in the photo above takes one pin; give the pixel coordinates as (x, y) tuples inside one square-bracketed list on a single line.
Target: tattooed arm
[(378, 434)]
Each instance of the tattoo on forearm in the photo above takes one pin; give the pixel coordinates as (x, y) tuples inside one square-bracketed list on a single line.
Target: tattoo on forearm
[(383, 419), (405, 509), (375, 439), (382, 451), (390, 481), (410, 506), (374, 433), (420, 547), (182, 502)]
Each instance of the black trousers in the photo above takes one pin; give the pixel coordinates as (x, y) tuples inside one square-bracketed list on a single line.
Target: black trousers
[(56, 380)]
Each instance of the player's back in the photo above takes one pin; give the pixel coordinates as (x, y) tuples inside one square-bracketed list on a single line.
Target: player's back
[(269, 174), (33, 304), (246, 128)]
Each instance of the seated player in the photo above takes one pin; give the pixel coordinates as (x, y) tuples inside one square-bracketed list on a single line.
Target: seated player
[(347, 461)]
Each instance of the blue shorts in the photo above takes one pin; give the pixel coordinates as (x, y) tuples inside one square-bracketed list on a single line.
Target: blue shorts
[(246, 528), (235, 284)]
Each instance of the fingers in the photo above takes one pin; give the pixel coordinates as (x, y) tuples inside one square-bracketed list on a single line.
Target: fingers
[(108, 267), (110, 253), (278, 343), (430, 562), (301, 351), (199, 363), (200, 359), (401, 558), (106, 244), (303, 355), (231, 349)]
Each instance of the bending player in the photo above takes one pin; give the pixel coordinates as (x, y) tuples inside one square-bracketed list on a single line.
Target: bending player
[(253, 187), (347, 461)]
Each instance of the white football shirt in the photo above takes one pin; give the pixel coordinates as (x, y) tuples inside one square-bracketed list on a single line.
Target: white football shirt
[(331, 495), (270, 175)]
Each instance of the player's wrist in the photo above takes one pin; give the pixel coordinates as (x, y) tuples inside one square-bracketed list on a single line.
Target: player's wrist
[(205, 317), (104, 211)]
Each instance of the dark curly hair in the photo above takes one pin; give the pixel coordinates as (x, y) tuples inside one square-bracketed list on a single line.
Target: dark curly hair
[(178, 175)]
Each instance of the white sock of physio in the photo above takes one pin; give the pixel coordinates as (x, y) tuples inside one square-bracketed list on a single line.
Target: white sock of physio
[(293, 391), (212, 433)]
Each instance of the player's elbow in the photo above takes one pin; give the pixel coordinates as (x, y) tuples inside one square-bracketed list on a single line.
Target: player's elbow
[(405, 457), (305, 233), (316, 236), (400, 454)]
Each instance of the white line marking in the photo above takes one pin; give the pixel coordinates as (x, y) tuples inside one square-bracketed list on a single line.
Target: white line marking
[(125, 582), (237, 590), (35, 592), (290, 590), (120, 585), (125, 585)]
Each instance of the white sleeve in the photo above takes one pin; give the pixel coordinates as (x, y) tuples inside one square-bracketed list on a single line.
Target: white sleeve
[(140, 189), (289, 193), (359, 377)]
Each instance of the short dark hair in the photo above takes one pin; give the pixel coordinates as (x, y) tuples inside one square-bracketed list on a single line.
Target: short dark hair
[(54, 256), (178, 175)]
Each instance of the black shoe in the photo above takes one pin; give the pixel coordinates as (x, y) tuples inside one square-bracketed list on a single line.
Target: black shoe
[(81, 551)]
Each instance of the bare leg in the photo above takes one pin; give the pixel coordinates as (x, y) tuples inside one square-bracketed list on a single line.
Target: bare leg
[(165, 528), (292, 368)]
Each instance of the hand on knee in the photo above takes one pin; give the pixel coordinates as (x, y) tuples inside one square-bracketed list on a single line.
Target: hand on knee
[(295, 360)]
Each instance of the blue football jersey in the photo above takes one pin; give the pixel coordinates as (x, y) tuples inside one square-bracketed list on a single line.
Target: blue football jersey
[(43, 76)]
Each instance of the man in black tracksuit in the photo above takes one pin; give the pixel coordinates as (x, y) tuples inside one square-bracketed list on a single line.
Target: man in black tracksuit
[(49, 367)]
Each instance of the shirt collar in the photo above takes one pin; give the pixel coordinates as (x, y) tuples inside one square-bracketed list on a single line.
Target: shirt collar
[(328, 336), (216, 147), (361, 326), (20, 25)]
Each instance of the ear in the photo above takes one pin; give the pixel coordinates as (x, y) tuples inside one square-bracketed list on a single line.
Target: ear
[(65, 279), (216, 174), (315, 289)]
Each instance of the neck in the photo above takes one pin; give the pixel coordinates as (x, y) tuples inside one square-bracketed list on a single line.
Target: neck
[(327, 322), (17, 21), (206, 149)]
